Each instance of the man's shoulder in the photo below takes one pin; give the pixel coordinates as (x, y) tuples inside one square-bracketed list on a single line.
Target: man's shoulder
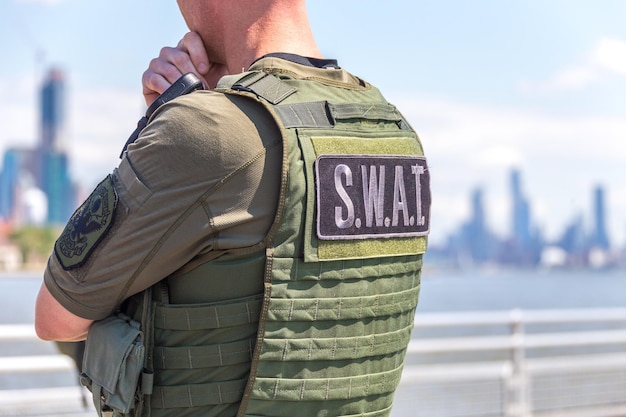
[(200, 123), (206, 108)]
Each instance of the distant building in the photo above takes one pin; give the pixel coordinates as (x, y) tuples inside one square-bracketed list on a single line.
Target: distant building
[(474, 243), (12, 166), (58, 187), (476, 229), (599, 237), (524, 246), (573, 239), (27, 174), (53, 112), (54, 169), (520, 213)]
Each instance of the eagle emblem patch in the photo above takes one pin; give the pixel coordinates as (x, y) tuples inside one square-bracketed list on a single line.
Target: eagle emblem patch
[(87, 226)]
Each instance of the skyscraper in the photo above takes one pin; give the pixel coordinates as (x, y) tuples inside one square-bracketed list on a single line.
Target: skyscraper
[(520, 212), (44, 169), (53, 168), (53, 111), (600, 237), (17, 177), (8, 177), (477, 229)]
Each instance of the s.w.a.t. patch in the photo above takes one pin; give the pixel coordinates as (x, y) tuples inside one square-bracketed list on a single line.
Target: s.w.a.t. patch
[(372, 196), (87, 226)]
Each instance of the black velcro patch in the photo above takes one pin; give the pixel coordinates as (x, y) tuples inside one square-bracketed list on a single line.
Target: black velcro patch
[(372, 196), (87, 227)]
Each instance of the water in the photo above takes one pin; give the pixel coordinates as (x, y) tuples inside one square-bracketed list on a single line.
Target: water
[(442, 291)]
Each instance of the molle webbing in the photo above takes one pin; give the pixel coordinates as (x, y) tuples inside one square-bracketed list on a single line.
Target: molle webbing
[(271, 88), (175, 317), (340, 344), (192, 357), (196, 343), (321, 114)]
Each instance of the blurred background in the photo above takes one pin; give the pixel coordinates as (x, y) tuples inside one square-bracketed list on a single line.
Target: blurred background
[(520, 106)]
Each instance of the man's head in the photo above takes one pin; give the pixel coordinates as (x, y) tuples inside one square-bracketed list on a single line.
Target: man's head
[(236, 32)]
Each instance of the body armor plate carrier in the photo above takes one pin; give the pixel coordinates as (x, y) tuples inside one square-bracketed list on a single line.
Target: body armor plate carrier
[(342, 266)]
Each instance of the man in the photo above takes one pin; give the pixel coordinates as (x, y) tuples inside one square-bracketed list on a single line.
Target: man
[(278, 220)]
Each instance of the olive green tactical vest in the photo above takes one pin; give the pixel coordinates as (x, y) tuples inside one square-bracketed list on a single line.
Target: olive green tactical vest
[(341, 268)]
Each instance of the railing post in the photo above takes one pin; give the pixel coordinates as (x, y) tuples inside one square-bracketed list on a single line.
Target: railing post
[(518, 401)]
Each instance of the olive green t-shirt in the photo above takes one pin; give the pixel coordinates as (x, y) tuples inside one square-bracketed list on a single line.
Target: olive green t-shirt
[(202, 177)]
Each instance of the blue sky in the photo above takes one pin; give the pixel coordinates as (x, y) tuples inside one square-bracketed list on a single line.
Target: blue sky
[(488, 85)]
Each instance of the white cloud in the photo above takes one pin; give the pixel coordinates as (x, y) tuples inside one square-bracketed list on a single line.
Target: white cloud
[(607, 57), (97, 126), (610, 54), (18, 112), (465, 129), (499, 156), (100, 123)]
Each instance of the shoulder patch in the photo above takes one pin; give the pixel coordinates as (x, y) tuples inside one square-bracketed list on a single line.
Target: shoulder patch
[(87, 227), (372, 196)]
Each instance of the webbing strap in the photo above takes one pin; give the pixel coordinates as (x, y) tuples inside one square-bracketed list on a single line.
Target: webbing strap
[(195, 357), (198, 395), (327, 389), (321, 114), (289, 269), (96, 392), (345, 308), (178, 317), (378, 413), (312, 114), (337, 348), (386, 112), (265, 85)]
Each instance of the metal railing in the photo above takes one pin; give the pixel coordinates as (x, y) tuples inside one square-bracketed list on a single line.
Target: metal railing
[(54, 391), (553, 363)]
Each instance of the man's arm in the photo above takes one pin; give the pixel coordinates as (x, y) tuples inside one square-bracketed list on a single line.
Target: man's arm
[(54, 322)]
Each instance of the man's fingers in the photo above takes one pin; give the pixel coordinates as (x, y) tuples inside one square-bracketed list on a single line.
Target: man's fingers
[(173, 62), (192, 44), (157, 78), (154, 83), (188, 56)]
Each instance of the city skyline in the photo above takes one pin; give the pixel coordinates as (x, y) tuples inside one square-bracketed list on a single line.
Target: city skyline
[(580, 243), (44, 168), (487, 85)]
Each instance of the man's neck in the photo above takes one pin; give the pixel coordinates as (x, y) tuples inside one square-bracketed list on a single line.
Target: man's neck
[(281, 29)]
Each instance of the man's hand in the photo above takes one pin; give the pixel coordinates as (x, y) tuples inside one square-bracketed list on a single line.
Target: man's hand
[(188, 56)]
